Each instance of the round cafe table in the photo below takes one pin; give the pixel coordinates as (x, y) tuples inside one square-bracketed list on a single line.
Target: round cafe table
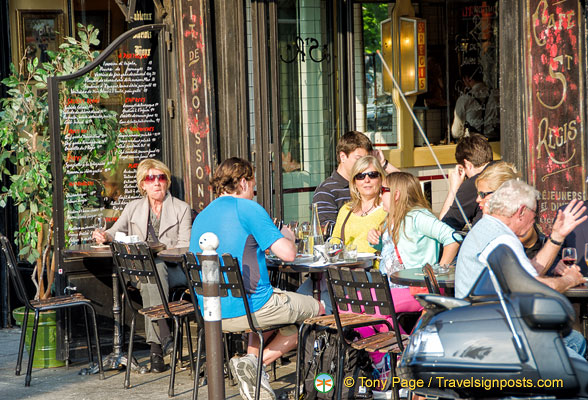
[(117, 358), (416, 277), (173, 255), (302, 265)]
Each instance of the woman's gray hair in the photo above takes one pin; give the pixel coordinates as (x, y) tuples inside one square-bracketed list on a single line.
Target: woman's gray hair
[(510, 196)]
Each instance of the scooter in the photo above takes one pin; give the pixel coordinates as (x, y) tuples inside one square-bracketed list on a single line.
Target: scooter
[(503, 340)]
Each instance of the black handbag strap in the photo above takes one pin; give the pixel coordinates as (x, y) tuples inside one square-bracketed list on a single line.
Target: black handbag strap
[(343, 226)]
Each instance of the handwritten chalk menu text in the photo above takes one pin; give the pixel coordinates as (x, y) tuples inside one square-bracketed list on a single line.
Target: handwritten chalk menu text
[(110, 118), (555, 106)]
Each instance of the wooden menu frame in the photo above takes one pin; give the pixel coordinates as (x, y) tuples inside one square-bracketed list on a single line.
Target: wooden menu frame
[(39, 31)]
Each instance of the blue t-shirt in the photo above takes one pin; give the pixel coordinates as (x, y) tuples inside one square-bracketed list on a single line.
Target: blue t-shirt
[(245, 230)]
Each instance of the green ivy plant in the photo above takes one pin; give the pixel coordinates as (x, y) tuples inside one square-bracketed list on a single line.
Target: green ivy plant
[(25, 139)]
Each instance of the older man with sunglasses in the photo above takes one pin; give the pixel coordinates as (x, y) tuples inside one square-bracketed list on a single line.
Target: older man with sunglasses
[(157, 217)]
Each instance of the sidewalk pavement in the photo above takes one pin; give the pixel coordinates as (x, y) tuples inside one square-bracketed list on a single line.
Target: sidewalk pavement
[(67, 384)]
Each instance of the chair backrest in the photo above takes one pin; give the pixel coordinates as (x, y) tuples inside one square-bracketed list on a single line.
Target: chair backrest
[(431, 279), (17, 281), (361, 292), (134, 263), (231, 279)]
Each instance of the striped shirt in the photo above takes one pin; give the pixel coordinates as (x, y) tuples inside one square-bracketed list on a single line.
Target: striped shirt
[(330, 196)]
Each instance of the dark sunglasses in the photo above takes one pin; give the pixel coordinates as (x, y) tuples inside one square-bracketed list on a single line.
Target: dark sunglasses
[(384, 189), (361, 176), (152, 178), (484, 194)]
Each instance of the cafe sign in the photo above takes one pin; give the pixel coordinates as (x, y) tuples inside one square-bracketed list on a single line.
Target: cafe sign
[(555, 105)]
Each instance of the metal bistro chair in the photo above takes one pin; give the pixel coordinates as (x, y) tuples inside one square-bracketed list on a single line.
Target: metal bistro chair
[(230, 280), (431, 280), (134, 263), (359, 294), (38, 306)]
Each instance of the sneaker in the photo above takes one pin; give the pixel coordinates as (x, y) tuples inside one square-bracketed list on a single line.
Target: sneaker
[(245, 370)]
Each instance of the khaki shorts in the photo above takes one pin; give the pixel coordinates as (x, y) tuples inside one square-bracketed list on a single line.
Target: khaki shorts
[(281, 308)]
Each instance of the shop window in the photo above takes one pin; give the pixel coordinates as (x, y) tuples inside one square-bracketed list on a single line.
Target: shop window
[(307, 125), (460, 35), (376, 114)]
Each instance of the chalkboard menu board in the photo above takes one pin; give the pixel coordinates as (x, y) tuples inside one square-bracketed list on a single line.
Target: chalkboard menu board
[(555, 69), (106, 118)]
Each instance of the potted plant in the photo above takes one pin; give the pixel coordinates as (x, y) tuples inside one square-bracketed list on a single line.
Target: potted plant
[(24, 136), (25, 142)]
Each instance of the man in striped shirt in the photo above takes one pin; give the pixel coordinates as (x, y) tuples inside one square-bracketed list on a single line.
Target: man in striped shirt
[(333, 192)]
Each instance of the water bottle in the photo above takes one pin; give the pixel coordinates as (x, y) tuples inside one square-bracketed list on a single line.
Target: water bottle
[(316, 238)]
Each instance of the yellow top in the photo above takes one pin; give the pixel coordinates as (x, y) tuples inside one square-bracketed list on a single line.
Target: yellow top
[(357, 227)]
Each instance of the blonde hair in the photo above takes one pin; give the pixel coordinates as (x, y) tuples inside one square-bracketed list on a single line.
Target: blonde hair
[(361, 165), (410, 197), (144, 167), (496, 174)]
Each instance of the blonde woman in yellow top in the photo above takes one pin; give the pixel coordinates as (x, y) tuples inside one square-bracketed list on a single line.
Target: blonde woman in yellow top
[(364, 212), (356, 218)]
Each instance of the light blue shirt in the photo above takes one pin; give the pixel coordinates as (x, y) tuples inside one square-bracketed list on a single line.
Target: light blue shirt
[(488, 233), (420, 239)]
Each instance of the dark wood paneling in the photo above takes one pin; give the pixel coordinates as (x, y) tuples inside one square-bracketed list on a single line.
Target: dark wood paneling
[(512, 84), (230, 62)]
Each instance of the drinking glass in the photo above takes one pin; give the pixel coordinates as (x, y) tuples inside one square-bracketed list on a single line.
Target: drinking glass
[(568, 256), (350, 252), (100, 222), (333, 249), (304, 230), (586, 253)]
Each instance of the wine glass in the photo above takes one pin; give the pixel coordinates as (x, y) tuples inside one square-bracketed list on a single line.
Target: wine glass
[(100, 222), (569, 256)]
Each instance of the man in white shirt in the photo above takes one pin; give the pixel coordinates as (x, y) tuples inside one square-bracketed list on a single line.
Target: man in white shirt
[(478, 109)]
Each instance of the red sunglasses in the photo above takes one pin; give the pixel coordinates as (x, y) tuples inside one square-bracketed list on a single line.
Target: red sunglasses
[(384, 189), (152, 178)]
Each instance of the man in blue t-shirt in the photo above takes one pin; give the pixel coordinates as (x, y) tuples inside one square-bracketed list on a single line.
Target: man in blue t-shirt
[(245, 230)]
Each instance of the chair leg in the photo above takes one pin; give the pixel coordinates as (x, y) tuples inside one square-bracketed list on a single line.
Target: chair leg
[(32, 353), (298, 356), (172, 378), (396, 388), (259, 366), (22, 341), (198, 356), (180, 343), (190, 349), (130, 354), (98, 350), (88, 341), (227, 358), (340, 375)]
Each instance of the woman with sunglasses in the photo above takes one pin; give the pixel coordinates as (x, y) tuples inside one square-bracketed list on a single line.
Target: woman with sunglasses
[(357, 217), (540, 249), (157, 217), (364, 212), (411, 235)]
